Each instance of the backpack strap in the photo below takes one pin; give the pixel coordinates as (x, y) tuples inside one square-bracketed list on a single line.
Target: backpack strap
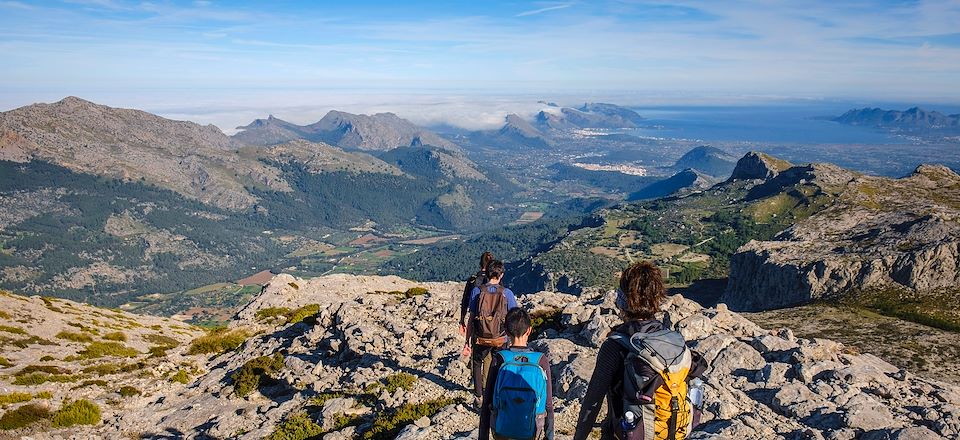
[(520, 357)]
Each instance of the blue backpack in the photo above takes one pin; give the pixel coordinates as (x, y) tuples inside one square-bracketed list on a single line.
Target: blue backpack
[(520, 395)]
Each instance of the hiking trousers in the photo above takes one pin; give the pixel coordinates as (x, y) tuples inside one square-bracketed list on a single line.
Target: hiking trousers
[(481, 358)]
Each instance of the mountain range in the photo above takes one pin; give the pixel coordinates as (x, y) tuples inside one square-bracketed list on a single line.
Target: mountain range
[(379, 132), (784, 234), (555, 122), (913, 120), (107, 203)]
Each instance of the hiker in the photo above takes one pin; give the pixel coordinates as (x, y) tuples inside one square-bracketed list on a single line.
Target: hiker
[(518, 395), (489, 305), (643, 369), (476, 280)]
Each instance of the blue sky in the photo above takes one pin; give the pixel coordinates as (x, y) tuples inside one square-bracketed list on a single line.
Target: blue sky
[(181, 56)]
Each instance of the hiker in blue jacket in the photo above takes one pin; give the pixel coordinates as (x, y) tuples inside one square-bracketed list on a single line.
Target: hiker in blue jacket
[(489, 305), (524, 369)]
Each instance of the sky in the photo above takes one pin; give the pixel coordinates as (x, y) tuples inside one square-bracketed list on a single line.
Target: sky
[(470, 62)]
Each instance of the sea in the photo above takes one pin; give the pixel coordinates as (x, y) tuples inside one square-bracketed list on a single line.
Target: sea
[(801, 132)]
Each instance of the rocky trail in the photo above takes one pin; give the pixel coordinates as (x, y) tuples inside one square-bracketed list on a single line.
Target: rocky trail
[(342, 356)]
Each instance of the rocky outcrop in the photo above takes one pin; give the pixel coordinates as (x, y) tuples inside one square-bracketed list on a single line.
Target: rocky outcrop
[(709, 160), (683, 182), (343, 366), (756, 165), (880, 233)]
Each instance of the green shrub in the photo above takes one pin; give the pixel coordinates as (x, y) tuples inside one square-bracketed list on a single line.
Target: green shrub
[(272, 312), (4, 315), (341, 421), (296, 427), (415, 291), (84, 328), (47, 301), (75, 337), (542, 321), (128, 391), (218, 341), (112, 368), (98, 349), (47, 358), (40, 378), (249, 377), (14, 330), (23, 416), (387, 424), (90, 383), (5, 363), (31, 340), (6, 399), (324, 397), (181, 377), (307, 311), (294, 285), (115, 336), (158, 351), (394, 382), (49, 369), (166, 341), (80, 412)]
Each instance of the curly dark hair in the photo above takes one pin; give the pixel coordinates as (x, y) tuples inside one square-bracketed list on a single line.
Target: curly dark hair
[(642, 287), (485, 259)]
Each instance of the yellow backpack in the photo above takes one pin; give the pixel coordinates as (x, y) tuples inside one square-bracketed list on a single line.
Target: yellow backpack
[(667, 414)]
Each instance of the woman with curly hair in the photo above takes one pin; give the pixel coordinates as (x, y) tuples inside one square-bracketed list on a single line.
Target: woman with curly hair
[(639, 298)]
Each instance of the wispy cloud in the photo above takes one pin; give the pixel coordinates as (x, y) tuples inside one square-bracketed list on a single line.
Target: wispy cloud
[(544, 9), (15, 5), (899, 50)]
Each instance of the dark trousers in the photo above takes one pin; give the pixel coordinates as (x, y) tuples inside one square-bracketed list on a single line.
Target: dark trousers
[(480, 359)]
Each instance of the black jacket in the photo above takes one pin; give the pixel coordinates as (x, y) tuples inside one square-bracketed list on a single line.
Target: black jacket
[(608, 377)]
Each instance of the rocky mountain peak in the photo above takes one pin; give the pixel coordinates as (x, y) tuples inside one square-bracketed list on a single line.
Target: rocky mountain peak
[(936, 172), (756, 165), (74, 101)]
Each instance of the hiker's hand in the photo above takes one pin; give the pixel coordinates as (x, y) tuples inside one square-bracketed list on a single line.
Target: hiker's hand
[(463, 329), (466, 351)]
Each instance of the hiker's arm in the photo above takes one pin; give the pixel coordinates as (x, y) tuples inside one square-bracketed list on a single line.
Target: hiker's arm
[(485, 404), (465, 301), (469, 338), (697, 366), (607, 362), (548, 426), (471, 314)]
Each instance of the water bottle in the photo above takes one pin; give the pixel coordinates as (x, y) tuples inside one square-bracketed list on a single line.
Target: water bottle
[(695, 393), (628, 422)]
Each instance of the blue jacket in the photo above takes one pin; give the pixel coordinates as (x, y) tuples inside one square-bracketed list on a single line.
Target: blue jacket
[(475, 298)]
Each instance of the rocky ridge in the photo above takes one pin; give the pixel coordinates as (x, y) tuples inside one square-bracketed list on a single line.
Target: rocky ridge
[(912, 119), (193, 160), (380, 132), (685, 181), (877, 233), (341, 374), (708, 160)]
